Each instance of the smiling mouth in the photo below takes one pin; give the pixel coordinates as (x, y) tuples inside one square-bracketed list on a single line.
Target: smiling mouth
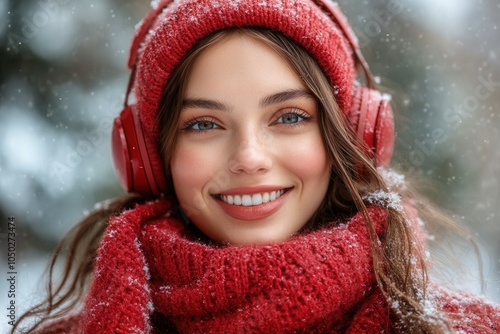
[(253, 199)]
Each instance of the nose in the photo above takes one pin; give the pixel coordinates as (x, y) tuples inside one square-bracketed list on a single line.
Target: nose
[(251, 153)]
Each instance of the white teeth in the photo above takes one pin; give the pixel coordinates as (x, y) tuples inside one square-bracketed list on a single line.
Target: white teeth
[(272, 197), (257, 199), (246, 200), (250, 200), (237, 200)]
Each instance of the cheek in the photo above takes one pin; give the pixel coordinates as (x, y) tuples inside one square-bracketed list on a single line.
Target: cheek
[(186, 174), (188, 180), (195, 169), (308, 159)]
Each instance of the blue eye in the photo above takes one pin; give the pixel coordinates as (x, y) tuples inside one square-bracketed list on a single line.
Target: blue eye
[(203, 126), (290, 118), (200, 125), (293, 117)]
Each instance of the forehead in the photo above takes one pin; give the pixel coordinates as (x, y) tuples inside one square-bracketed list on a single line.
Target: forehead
[(237, 64)]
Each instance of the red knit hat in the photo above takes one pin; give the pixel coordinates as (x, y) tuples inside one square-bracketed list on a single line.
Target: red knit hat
[(172, 28)]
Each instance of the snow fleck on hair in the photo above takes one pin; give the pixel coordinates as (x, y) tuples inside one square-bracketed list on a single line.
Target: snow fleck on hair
[(389, 200), (394, 180)]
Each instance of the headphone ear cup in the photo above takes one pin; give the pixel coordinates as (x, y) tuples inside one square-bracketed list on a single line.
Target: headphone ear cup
[(372, 119), (121, 154), (384, 132), (136, 160), (157, 177)]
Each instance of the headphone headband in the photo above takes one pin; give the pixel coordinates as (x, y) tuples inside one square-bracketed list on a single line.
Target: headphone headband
[(144, 28), (332, 9)]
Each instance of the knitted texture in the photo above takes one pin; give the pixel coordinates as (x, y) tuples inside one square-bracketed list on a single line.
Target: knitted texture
[(152, 275), (279, 288), (172, 29), (315, 278)]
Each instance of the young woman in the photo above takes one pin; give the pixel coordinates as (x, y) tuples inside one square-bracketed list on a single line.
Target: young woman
[(263, 199)]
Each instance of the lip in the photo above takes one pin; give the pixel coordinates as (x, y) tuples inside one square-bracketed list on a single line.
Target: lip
[(256, 212)]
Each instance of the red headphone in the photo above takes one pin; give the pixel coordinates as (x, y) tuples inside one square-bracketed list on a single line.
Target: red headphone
[(136, 158)]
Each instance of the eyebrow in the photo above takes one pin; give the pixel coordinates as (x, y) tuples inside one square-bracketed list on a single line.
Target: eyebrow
[(276, 98), (284, 96), (205, 104)]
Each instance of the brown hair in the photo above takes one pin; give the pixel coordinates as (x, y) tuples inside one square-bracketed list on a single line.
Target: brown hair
[(399, 265)]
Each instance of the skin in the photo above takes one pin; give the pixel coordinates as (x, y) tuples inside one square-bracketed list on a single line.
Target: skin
[(248, 125)]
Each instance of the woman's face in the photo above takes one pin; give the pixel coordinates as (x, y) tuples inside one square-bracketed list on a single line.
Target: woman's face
[(249, 165)]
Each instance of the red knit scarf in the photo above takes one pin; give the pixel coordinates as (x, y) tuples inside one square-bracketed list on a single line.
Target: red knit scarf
[(152, 275)]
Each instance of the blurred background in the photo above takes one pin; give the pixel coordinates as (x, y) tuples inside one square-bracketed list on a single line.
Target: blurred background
[(63, 77)]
